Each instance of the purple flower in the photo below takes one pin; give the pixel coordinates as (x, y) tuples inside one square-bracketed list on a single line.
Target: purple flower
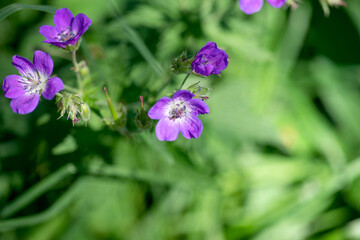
[(34, 80), (253, 6), (68, 29), (178, 114), (209, 60)]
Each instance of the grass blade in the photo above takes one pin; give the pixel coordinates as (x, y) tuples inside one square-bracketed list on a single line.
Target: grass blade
[(12, 8)]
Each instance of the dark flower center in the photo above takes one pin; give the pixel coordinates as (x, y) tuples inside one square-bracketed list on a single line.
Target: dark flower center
[(65, 35), (178, 110)]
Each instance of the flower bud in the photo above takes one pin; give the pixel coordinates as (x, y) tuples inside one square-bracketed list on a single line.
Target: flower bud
[(181, 64), (74, 106), (142, 119), (83, 69), (119, 116)]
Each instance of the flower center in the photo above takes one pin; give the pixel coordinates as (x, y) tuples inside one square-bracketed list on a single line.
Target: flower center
[(33, 85), (177, 110), (65, 35)]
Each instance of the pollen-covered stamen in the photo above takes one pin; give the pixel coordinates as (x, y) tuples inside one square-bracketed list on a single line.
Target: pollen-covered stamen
[(66, 35), (177, 110)]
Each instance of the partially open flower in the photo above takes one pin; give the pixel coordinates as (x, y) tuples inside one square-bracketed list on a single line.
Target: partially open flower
[(210, 60), (68, 29), (34, 80), (179, 114)]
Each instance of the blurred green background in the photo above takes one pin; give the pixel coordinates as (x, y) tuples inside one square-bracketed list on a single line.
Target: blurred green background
[(278, 158)]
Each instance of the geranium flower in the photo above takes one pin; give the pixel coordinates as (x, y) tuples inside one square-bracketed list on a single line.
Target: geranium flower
[(68, 29), (253, 6), (209, 60), (34, 80), (178, 114)]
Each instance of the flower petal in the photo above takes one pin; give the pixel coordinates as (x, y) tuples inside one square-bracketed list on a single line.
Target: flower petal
[(207, 47), (25, 67), (80, 24), (43, 63), (167, 130), (49, 32), (250, 6), (276, 3), (25, 104), (53, 86), (13, 87), (200, 68), (191, 127), (57, 44), (63, 18), (198, 106), (183, 95), (158, 110)]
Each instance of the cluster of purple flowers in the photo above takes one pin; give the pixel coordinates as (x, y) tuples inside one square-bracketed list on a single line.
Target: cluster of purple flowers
[(180, 114), (34, 79)]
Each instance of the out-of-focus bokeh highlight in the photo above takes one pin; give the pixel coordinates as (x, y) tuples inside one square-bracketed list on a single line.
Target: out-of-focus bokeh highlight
[(278, 158)]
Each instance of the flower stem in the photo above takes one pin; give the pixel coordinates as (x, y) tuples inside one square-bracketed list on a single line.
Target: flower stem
[(182, 84), (76, 69)]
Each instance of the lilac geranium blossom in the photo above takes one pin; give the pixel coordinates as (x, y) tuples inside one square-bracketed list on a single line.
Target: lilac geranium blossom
[(68, 29), (253, 6), (209, 60), (34, 80), (178, 114)]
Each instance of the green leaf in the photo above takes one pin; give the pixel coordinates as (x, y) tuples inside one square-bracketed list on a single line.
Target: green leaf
[(12, 8), (139, 44)]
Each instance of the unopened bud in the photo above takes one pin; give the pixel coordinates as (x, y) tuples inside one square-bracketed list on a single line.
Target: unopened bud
[(74, 106), (181, 64), (142, 120)]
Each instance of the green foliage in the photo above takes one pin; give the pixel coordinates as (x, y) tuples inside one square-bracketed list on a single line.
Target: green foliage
[(278, 157)]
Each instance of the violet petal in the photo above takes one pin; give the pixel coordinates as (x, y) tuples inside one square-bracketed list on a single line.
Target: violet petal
[(25, 104), (53, 86), (63, 18), (12, 86), (198, 106), (43, 63), (250, 6), (276, 3), (80, 24), (191, 127), (183, 95), (25, 67), (49, 32), (158, 110), (167, 130)]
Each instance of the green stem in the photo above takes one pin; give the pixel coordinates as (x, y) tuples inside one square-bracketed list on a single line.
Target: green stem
[(182, 84), (76, 69)]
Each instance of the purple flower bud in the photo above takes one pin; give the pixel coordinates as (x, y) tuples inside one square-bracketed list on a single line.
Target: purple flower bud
[(68, 29), (209, 60), (34, 80), (178, 114), (253, 6)]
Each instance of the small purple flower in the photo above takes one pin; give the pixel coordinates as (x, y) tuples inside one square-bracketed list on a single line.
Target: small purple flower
[(68, 29), (178, 114), (253, 6), (209, 60), (34, 80)]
